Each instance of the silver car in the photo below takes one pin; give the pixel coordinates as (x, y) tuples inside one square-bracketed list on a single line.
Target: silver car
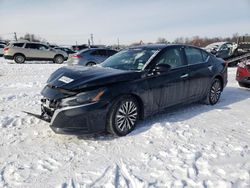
[(22, 51), (91, 56)]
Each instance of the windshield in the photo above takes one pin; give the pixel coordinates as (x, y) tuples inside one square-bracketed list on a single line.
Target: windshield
[(129, 59)]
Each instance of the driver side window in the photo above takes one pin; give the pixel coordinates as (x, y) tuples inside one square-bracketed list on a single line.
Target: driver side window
[(43, 47), (172, 57)]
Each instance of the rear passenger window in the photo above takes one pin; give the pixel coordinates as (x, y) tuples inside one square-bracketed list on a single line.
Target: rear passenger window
[(102, 52), (18, 45), (95, 53), (111, 52), (194, 56), (32, 46)]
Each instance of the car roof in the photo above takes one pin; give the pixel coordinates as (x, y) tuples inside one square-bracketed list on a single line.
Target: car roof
[(159, 46), (92, 49), (14, 42), (149, 46)]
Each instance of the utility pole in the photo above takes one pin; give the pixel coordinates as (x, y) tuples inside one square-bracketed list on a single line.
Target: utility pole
[(88, 43), (118, 43), (92, 39), (15, 36)]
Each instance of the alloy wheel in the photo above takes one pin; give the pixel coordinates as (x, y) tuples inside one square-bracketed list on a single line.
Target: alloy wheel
[(215, 92), (126, 116), (59, 59)]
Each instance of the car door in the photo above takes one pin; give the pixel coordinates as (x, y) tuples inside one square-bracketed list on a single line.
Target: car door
[(30, 50), (200, 66), (45, 52), (38, 51), (169, 88)]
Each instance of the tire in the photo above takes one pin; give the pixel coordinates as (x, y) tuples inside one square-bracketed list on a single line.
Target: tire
[(59, 59), (90, 64), (19, 58), (214, 92), (123, 116), (244, 85)]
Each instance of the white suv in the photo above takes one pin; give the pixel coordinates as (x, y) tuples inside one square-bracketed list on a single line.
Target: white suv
[(30, 51)]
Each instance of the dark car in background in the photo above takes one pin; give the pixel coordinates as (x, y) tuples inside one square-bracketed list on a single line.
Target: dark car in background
[(65, 49), (85, 46), (131, 85), (91, 56)]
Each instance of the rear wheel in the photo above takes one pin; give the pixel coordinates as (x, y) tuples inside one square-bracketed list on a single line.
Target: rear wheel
[(123, 116), (89, 64), (58, 59), (214, 92), (19, 58)]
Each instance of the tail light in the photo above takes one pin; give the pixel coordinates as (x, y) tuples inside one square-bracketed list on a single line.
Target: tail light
[(5, 49), (77, 56)]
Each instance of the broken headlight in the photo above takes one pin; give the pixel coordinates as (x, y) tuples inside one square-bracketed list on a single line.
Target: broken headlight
[(83, 98)]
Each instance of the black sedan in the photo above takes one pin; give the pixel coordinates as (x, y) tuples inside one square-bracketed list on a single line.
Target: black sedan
[(131, 85)]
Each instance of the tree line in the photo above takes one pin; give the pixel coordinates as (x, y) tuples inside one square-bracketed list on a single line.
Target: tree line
[(201, 41), (196, 40)]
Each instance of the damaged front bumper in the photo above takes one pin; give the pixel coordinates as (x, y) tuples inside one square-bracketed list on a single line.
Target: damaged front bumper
[(81, 119)]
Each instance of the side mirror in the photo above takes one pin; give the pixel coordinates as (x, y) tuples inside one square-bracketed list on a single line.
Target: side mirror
[(161, 68), (213, 51)]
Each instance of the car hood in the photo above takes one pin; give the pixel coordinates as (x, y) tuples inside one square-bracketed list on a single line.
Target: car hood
[(79, 77)]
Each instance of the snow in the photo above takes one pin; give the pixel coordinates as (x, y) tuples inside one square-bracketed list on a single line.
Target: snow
[(193, 146)]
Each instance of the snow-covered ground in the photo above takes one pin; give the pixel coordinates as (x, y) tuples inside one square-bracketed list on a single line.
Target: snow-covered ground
[(193, 146)]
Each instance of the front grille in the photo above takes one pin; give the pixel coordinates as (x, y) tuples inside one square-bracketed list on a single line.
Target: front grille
[(48, 107), (50, 103)]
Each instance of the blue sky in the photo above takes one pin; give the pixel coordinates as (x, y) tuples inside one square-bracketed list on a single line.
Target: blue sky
[(67, 21)]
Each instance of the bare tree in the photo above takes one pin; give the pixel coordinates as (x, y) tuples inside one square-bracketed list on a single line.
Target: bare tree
[(32, 38), (162, 40)]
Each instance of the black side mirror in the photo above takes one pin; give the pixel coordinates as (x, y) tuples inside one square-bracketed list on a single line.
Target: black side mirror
[(213, 51), (161, 68)]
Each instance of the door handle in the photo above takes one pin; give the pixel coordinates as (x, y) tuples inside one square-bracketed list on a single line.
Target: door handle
[(184, 76)]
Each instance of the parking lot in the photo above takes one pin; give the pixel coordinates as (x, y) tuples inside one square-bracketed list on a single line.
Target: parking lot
[(194, 146)]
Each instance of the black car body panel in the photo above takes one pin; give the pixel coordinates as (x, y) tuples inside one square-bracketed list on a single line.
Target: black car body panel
[(84, 77), (154, 91)]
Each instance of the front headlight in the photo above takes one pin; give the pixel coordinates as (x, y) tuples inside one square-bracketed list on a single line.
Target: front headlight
[(83, 98)]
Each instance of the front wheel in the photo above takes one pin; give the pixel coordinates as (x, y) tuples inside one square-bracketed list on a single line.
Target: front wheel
[(123, 116), (58, 59), (214, 92)]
